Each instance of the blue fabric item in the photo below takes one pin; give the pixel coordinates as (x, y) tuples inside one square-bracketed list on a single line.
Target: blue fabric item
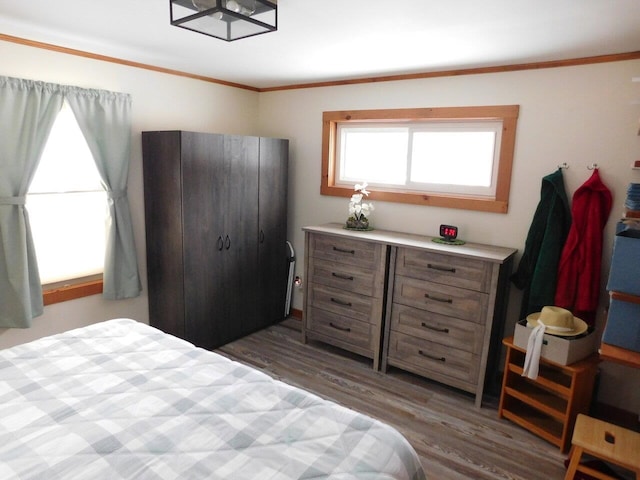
[(623, 325), (623, 274)]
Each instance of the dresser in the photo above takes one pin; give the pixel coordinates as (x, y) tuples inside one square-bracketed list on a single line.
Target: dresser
[(405, 301), (345, 292)]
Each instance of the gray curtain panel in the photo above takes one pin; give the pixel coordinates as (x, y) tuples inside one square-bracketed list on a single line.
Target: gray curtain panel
[(27, 112), (105, 121)]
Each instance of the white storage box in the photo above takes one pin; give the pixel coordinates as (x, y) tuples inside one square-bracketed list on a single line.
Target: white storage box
[(558, 349)]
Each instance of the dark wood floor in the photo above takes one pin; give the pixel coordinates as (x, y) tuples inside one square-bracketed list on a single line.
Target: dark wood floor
[(453, 439)]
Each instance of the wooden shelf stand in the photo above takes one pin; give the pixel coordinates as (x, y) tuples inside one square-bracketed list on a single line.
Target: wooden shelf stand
[(548, 405)]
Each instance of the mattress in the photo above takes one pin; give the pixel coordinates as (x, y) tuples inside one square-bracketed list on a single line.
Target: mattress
[(123, 400)]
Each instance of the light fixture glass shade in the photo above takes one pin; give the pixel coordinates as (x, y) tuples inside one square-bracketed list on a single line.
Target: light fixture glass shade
[(225, 19)]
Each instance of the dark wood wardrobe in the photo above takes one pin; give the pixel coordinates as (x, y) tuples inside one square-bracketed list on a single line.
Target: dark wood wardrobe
[(216, 223)]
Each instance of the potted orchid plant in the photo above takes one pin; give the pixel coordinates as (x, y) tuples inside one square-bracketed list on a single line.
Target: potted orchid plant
[(359, 211)]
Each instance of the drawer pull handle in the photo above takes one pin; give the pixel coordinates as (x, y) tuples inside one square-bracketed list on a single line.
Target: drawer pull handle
[(343, 277), (438, 299), (337, 327), (432, 357), (437, 329), (441, 268), (341, 250), (340, 302)]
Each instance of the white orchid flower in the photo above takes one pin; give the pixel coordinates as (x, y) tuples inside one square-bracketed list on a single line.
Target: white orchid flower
[(361, 188), (357, 209)]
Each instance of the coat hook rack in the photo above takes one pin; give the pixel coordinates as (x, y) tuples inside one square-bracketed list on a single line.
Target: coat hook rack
[(564, 165), (593, 166)]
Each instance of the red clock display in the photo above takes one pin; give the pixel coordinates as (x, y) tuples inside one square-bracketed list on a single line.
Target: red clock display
[(448, 232)]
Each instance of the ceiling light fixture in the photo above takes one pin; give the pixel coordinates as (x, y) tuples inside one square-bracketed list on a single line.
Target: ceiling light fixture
[(226, 19)]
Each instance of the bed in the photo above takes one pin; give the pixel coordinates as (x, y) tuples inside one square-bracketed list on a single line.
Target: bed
[(123, 400)]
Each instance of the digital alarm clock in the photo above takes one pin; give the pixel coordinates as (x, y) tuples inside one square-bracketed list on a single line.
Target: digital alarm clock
[(448, 232)]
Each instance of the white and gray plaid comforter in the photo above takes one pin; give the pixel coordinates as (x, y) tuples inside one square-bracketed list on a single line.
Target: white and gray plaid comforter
[(121, 399)]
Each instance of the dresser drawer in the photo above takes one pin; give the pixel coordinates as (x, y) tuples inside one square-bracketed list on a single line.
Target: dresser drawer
[(347, 250), (352, 278), (348, 304), (341, 328), (448, 365), (441, 329), (469, 273), (442, 299)]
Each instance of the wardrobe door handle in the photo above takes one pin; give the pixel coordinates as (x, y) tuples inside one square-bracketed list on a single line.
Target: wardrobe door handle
[(220, 243), (438, 299), (340, 302), (261, 237), (432, 357), (227, 242), (436, 329)]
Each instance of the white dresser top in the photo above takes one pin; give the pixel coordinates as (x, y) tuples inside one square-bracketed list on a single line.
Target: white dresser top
[(400, 239)]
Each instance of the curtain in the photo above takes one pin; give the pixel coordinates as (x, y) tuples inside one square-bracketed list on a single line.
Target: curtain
[(105, 121), (27, 112)]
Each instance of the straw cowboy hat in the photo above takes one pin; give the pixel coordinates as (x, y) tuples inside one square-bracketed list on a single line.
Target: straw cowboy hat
[(557, 321)]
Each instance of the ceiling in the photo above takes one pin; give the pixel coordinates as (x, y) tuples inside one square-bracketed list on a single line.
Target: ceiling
[(335, 40)]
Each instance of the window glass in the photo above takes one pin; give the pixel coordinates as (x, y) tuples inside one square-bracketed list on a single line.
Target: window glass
[(459, 157), (453, 158), (377, 154), (67, 206)]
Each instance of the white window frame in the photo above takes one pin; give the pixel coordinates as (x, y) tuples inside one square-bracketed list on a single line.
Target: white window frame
[(494, 199), (410, 130)]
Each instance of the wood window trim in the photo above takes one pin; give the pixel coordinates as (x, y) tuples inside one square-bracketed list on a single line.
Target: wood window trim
[(508, 114), (71, 289)]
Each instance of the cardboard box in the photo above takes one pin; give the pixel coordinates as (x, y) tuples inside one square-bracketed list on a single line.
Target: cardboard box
[(623, 324), (623, 276), (563, 351)]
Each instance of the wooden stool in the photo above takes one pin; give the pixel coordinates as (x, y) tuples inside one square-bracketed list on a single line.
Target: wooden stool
[(605, 441)]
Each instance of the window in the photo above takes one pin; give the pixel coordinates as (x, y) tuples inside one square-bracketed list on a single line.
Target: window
[(451, 157), (67, 207)]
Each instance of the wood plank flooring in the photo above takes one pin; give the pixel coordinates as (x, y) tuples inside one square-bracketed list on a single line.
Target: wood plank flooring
[(454, 440)]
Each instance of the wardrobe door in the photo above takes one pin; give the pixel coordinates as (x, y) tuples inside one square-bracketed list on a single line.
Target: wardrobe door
[(205, 195), (273, 265), (241, 248), (163, 227)]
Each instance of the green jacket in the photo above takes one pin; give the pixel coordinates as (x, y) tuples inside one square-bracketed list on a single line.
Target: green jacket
[(537, 271)]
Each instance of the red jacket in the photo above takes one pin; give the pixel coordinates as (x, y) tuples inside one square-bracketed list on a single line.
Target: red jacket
[(578, 287)]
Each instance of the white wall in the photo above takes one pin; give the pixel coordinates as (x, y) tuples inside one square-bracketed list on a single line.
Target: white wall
[(578, 115), (159, 102)]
